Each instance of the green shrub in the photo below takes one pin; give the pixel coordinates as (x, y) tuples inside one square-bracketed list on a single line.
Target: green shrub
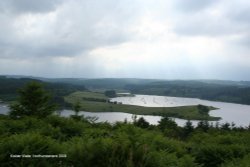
[(28, 144)]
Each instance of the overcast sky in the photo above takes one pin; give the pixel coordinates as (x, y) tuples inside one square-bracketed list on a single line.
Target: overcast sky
[(168, 39)]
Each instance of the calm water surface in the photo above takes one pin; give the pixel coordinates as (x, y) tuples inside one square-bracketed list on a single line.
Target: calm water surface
[(229, 112)]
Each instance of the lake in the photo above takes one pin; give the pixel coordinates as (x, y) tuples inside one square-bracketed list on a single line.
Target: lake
[(229, 112)]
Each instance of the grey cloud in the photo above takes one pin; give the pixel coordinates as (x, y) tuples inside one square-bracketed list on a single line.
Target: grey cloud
[(233, 18), (245, 42), (24, 51), (205, 26), (193, 5), (52, 29), (242, 42), (239, 12), (79, 26), (28, 6)]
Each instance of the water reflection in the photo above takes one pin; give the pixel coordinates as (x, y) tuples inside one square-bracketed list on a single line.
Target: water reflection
[(113, 117)]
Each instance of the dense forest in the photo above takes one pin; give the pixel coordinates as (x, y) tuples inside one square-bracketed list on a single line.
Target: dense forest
[(34, 135)]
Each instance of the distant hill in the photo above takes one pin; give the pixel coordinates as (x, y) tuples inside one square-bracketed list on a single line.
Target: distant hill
[(234, 92), (101, 83), (9, 87), (218, 90), (227, 82)]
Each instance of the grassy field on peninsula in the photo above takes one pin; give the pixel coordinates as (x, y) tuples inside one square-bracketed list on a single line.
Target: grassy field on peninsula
[(98, 102)]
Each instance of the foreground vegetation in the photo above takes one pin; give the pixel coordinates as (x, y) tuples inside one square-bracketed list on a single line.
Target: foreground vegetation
[(120, 145), (98, 102), (32, 136)]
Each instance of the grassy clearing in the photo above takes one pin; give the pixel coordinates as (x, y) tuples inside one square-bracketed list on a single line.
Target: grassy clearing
[(185, 112)]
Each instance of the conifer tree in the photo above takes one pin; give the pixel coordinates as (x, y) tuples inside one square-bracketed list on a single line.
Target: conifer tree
[(33, 100)]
